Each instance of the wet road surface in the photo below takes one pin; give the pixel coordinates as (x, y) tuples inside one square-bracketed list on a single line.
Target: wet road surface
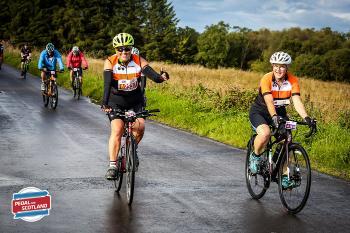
[(185, 183)]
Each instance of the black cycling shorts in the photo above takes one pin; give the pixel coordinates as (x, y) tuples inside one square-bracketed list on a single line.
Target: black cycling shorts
[(137, 108), (260, 115)]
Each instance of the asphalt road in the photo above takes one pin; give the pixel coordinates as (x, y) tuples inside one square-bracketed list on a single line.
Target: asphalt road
[(185, 183)]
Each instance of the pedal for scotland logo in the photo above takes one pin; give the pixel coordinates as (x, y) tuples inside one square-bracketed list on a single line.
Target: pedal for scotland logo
[(31, 204)]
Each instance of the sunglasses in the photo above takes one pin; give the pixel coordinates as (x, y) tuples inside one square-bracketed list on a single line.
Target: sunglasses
[(126, 49)]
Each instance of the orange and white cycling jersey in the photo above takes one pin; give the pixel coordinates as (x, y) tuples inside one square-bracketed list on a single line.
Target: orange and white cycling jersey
[(127, 76), (281, 94)]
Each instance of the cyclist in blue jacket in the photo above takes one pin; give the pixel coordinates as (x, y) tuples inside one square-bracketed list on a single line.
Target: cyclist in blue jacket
[(47, 62)]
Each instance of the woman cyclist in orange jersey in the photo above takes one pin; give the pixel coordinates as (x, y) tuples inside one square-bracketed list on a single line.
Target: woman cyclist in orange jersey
[(276, 89)]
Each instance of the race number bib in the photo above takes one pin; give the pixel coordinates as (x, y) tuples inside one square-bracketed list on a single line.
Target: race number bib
[(281, 102), (127, 85)]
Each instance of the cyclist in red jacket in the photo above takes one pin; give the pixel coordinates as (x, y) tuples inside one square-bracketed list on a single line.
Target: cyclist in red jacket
[(76, 59)]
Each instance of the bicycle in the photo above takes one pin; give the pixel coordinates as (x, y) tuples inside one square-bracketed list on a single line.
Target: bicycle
[(127, 153), (289, 161), (25, 67), (50, 95), (77, 86)]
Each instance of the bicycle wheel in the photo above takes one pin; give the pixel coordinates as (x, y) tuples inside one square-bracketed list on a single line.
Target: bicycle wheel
[(295, 192), (255, 182), (130, 168), (74, 85), (54, 96), (45, 100), (78, 88), (118, 182), (45, 97)]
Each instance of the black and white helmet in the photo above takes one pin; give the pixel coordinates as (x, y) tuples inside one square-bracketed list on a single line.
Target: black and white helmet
[(281, 58)]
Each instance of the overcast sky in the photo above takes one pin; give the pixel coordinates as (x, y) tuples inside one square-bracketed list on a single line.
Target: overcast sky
[(271, 14)]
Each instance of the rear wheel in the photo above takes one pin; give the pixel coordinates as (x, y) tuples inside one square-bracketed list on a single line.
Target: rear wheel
[(130, 168), (256, 183), (295, 189)]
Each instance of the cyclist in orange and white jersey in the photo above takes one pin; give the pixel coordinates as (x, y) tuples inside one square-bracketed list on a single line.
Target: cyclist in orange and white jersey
[(122, 90), (276, 89)]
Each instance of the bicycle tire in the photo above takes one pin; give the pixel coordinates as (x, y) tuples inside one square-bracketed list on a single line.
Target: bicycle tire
[(54, 96), (118, 182), (255, 183), (46, 97), (300, 176), (74, 84), (79, 88), (130, 167), (25, 69)]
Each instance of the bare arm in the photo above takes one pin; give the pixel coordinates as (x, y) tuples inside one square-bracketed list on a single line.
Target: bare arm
[(269, 103), (299, 106)]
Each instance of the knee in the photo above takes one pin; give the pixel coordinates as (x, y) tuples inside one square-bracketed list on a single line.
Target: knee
[(140, 126), (265, 135)]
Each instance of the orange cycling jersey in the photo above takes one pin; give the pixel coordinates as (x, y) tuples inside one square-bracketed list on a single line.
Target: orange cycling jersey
[(281, 94), (126, 76)]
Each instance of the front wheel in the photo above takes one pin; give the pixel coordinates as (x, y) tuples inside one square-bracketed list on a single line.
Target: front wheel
[(119, 181), (78, 85), (25, 70), (256, 183), (130, 167), (45, 96), (54, 96), (294, 179)]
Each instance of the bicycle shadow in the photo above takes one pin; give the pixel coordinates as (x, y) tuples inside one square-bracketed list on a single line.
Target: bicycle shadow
[(121, 217), (268, 216)]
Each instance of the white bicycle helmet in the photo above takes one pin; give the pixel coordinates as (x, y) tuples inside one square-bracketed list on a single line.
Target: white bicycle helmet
[(135, 51), (281, 58), (75, 49), (50, 47), (123, 39)]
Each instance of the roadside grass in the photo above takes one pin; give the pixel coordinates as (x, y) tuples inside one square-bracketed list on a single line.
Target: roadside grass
[(215, 103)]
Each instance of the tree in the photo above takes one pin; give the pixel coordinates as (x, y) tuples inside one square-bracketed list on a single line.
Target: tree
[(186, 45), (160, 31), (213, 46)]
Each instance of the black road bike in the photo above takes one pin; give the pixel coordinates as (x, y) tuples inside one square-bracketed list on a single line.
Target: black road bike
[(25, 67), (50, 95), (126, 159), (77, 86), (282, 159)]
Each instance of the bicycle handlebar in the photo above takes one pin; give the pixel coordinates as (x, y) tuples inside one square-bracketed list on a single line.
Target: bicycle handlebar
[(282, 122), (131, 116)]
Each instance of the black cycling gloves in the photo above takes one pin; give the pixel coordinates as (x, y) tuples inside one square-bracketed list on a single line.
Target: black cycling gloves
[(276, 120), (310, 122)]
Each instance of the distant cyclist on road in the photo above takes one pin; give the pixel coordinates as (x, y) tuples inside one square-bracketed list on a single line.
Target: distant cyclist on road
[(122, 90), (48, 61), (276, 89), (26, 54), (76, 59)]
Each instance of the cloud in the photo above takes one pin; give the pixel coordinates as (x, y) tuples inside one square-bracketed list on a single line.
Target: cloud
[(272, 14)]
